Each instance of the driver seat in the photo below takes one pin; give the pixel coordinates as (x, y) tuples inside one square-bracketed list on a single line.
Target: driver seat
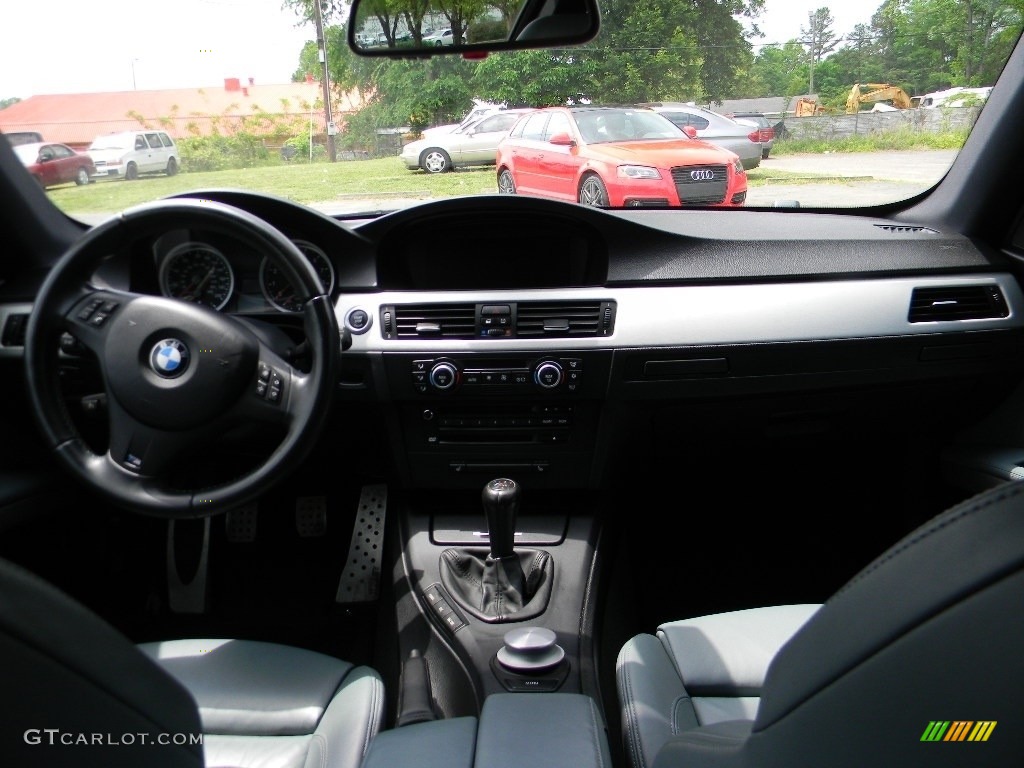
[(80, 693)]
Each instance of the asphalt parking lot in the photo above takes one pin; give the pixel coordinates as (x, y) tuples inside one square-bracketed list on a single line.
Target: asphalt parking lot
[(869, 178)]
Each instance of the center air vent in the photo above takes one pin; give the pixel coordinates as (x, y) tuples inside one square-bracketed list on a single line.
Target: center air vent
[(962, 302), (432, 321), (562, 319), (499, 320)]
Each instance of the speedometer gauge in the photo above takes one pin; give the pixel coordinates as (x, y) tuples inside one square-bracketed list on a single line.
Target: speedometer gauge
[(280, 292), (198, 273)]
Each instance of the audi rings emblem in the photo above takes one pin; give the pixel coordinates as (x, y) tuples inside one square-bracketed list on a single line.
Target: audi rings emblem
[(704, 174), (169, 358)]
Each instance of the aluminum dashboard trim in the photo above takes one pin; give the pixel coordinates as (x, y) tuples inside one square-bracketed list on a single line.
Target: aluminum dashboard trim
[(710, 314)]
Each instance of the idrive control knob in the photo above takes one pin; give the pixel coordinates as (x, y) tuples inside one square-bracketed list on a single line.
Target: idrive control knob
[(530, 649), (443, 376)]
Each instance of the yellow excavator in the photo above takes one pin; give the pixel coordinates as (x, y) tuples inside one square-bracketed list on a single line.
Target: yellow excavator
[(876, 92)]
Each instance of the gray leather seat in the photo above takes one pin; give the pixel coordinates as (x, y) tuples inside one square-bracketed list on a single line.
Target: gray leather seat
[(929, 634), (79, 693)]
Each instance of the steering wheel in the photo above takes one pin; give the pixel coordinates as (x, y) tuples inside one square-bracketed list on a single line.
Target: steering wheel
[(177, 374)]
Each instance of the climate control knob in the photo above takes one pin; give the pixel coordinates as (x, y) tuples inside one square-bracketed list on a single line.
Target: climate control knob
[(548, 374), (443, 376)]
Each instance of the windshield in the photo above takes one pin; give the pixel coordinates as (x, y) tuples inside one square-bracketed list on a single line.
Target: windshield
[(865, 102)]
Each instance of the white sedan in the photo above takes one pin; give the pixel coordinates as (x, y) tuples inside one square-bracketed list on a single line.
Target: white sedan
[(441, 37), (475, 143)]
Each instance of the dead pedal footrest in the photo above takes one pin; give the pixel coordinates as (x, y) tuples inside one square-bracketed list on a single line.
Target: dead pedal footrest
[(360, 579)]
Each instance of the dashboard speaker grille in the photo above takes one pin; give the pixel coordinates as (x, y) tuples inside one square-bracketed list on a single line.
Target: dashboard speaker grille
[(961, 302)]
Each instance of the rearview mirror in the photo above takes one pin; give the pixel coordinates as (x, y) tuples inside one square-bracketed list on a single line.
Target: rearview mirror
[(420, 28)]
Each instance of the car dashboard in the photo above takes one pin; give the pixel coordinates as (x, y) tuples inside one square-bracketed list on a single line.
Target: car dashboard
[(497, 348)]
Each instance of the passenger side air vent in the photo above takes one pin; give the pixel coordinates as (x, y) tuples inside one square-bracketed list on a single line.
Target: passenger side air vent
[(962, 302), (563, 319), (906, 229), (431, 321)]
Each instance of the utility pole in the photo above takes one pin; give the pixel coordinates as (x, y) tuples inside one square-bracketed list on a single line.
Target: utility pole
[(321, 44)]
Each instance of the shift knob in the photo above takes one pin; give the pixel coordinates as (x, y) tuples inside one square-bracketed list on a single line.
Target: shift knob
[(501, 503)]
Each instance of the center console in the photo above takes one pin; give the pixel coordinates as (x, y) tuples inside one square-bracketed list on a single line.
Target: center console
[(465, 418)]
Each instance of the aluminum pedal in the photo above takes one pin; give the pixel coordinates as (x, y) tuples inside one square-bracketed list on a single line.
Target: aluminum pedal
[(311, 516), (360, 579), (240, 524)]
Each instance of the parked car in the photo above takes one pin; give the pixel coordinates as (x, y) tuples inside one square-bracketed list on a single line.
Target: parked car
[(441, 37), (24, 137), (610, 156), (480, 109), (52, 164), (535, 484), (765, 129), (128, 154), (716, 129), (472, 144)]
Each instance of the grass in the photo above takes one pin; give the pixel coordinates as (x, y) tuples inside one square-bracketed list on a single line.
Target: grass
[(904, 139), (304, 183)]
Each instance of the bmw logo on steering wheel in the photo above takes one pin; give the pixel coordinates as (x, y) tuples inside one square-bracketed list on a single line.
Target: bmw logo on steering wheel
[(169, 358)]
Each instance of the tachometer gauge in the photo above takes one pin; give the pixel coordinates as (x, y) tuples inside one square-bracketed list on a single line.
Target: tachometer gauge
[(198, 273), (280, 292)]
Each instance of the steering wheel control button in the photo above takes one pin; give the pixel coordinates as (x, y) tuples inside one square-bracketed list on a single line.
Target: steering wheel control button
[(87, 311), (443, 376), (548, 374), (269, 384), (358, 320), (169, 358)]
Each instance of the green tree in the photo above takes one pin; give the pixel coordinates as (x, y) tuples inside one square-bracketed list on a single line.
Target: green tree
[(5, 103), (819, 38)]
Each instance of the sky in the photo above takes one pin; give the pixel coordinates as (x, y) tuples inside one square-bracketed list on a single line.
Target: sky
[(144, 46)]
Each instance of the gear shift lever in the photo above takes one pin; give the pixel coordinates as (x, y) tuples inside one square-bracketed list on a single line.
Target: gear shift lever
[(500, 583), (501, 503)]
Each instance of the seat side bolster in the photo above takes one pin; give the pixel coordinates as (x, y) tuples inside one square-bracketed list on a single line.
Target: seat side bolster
[(350, 722), (727, 654), (655, 704)]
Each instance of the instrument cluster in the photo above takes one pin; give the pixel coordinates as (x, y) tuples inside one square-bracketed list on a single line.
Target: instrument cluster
[(225, 276)]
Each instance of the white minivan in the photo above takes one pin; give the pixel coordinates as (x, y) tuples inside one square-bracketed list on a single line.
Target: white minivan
[(126, 154)]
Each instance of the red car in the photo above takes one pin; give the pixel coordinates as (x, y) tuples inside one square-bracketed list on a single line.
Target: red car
[(616, 157), (53, 164)]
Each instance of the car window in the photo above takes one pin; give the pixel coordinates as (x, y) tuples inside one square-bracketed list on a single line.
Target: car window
[(844, 85), (496, 123), (59, 151), (559, 123), (534, 127)]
